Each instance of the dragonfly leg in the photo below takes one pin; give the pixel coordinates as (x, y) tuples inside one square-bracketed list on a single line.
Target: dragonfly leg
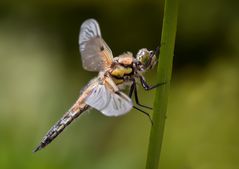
[(145, 113), (133, 89), (147, 87), (137, 99)]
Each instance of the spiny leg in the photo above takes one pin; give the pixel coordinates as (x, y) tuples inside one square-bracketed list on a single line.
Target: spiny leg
[(137, 99), (147, 87), (145, 113), (133, 89)]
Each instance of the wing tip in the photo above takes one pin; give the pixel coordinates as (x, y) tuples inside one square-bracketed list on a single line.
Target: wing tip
[(91, 24), (90, 20)]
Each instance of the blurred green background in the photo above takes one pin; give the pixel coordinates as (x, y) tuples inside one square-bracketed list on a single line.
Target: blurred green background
[(41, 76)]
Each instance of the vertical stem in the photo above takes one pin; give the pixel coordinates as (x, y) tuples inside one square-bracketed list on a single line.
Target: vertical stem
[(164, 72)]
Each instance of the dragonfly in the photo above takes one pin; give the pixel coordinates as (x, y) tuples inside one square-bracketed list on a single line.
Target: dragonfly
[(104, 92)]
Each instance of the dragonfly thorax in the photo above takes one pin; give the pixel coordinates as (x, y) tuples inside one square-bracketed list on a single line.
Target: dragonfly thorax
[(125, 67), (120, 73)]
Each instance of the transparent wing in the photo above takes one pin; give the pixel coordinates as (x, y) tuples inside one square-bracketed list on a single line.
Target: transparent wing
[(95, 53), (108, 102)]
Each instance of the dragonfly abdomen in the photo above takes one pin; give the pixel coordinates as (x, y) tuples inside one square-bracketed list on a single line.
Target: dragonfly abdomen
[(60, 126)]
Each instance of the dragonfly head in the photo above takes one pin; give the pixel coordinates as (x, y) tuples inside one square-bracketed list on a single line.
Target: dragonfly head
[(146, 58)]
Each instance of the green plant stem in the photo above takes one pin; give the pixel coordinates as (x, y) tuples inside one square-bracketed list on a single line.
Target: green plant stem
[(164, 72)]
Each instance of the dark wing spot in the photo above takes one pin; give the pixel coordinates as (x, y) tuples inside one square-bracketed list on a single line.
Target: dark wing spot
[(102, 48)]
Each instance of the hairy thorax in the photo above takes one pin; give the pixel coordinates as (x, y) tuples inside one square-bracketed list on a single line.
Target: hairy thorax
[(122, 68)]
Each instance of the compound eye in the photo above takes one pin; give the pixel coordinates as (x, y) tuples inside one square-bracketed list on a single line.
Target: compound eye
[(143, 56)]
